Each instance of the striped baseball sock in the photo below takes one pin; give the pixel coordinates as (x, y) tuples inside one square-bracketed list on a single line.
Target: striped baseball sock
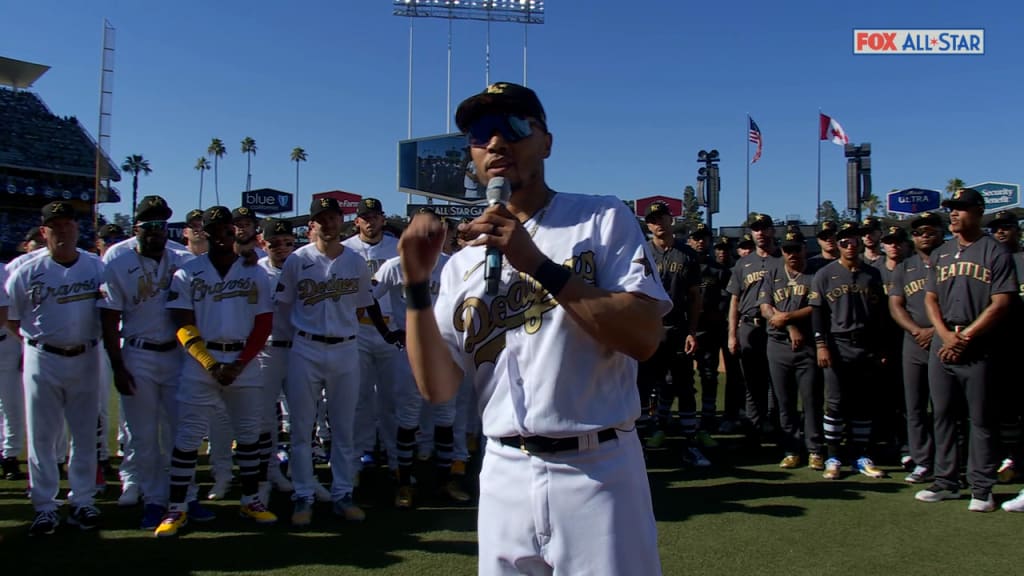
[(183, 472), (834, 427), (688, 422), (266, 445), (405, 443), (248, 456), (444, 445)]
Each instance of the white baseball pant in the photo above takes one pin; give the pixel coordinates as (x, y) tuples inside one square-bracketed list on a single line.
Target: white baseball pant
[(586, 512), (12, 397), (220, 436), (106, 382), (376, 409), (273, 363), (312, 366), (59, 388), (409, 403), (200, 401)]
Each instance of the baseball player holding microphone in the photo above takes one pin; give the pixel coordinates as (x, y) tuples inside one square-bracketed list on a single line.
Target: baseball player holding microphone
[(53, 308), (563, 487)]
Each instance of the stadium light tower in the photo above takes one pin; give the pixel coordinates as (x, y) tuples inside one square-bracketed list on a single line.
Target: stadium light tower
[(525, 12)]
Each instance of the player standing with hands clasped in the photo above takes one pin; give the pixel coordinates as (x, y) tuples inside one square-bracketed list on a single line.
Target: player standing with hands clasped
[(563, 486), (970, 285)]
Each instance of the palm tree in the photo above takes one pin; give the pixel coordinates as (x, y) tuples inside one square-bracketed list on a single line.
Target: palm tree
[(135, 164), (249, 149), (202, 164), (217, 150), (298, 155), (953, 185), (872, 204)]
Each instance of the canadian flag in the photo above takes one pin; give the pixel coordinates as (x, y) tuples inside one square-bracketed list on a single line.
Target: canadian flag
[(831, 130)]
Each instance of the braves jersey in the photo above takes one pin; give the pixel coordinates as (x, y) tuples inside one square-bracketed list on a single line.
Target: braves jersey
[(56, 304), (388, 283), (535, 369), (746, 278), (131, 243), (137, 287), (908, 280), (679, 271), (375, 255), (325, 293), (23, 259), (282, 329), (965, 278), (787, 292), (852, 297)]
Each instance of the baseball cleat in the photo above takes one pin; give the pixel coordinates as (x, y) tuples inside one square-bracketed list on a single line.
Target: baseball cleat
[(907, 463), (44, 524), (85, 517), (984, 504), (302, 514), (832, 469), (1007, 471), (867, 467), (704, 439), (790, 461), (152, 515), (403, 499), (219, 489), (815, 461), (1016, 504), (129, 496), (936, 494), (255, 510), (346, 508), (173, 521), (11, 468), (920, 475), (199, 513), (692, 456)]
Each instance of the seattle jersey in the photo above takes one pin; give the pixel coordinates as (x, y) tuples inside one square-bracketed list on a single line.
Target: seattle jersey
[(388, 283), (324, 294), (965, 278), (282, 330), (535, 369), (56, 304), (137, 287)]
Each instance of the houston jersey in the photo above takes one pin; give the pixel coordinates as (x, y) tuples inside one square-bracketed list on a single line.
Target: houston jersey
[(389, 284), (535, 369), (325, 293), (56, 304), (137, 287), (282, 330), (375, 256)]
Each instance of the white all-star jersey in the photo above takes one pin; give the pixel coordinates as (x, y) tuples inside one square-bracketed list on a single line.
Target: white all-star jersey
[(535, 369), (56, 304), (389, 284), (282, 330), (375, 255), (137, 287), (324, 294)]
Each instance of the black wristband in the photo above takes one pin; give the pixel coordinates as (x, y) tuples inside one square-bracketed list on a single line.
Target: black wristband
[(552, 276), (417, 296)]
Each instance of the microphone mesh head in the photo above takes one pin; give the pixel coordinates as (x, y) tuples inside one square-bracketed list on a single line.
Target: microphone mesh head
[(498, 190)]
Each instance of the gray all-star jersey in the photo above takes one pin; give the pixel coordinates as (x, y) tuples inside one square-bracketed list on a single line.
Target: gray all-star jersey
[(746, 280), (853, 297), (787, 294), (679, 271), (908, 280), (1018, 264), (964, 279)]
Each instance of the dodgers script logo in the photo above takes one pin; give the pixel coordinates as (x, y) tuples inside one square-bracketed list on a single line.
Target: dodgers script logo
[(312, 292)]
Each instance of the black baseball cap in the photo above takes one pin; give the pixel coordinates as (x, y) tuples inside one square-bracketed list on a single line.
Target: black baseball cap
[(794, 238), (110, 231), (34, 234), (276, 227), (964, 198), (926, 219), (1004, 219), (657, 210), (58, 209), (152, 208), (827, 228), (745, 240), (324, 204), (894, 234), (217, 215), (195, 214), (243, 212), (723, 242), (369, 206), (500, 98), (870, 224), (701, 231), (848, 229), (761, 221)]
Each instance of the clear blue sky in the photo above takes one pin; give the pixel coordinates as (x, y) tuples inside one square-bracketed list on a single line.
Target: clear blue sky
[(632, 89)]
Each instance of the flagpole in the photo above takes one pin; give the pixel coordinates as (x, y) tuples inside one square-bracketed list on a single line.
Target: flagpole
[(817, 206), (746, 161)]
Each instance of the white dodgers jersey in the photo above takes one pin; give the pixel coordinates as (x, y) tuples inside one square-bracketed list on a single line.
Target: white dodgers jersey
[(388, 284), (535, 369), (282, 330), (375, 255), (56, 304), (324, 294)]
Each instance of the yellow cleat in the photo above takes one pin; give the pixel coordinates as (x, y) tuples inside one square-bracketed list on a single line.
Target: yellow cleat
[(816, 462), (832, 469), (790, 461), (173, 521), (403, 499), (257, 512)]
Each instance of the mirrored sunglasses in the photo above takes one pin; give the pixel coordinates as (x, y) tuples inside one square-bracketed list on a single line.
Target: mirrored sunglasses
[(153, 225), (512, 129)]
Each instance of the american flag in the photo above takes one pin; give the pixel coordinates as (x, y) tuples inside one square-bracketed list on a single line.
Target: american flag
[(755, 137)]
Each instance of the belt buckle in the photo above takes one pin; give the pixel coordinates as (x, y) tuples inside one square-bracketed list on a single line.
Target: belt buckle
[(522, 446)]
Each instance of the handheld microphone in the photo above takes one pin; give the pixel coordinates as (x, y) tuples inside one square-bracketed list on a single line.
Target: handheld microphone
[(498, 192)]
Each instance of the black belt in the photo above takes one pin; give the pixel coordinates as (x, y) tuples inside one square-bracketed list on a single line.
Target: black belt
[(280, 343), (955, 327), (68, 351), (325, 339), (756, 321), (152, 346), (3, 336), (226, 346), (543, 444)]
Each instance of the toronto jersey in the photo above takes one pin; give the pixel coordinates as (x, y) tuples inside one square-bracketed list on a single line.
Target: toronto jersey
[(852, 297), (137, 287), (388, 283), (965, 278), (56, 304), (908, 280), (375, 255), (786, 292), (282, 329), (324, 294), (746, 279), (535, 369)]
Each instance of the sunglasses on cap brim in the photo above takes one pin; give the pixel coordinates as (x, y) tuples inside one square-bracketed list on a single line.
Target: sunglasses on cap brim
[(153, 225), (512, 128)]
